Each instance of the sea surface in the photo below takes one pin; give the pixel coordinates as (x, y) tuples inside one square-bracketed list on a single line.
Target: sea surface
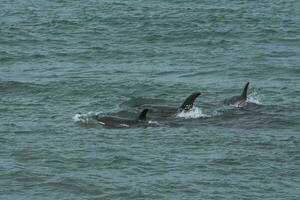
[(63, 62)]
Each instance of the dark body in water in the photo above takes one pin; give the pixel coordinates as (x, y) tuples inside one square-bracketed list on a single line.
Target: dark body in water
[(168, 111), (240, 100), (117, 122)]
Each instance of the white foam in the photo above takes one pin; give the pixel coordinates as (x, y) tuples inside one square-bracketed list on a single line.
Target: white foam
[(254, 98), (84, 118), (193, 113), (124, 125), (102, 123), (153, 122)]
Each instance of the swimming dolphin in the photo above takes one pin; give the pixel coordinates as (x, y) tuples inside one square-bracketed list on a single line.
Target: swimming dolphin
[(241, 101), (238, 100), (117, 122), (167, 111)]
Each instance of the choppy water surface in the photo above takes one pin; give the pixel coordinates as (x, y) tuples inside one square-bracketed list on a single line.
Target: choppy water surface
[(63, 61)]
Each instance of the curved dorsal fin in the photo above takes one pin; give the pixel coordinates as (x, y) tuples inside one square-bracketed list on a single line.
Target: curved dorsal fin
[(189, 102), (244, 94), (142, 116)]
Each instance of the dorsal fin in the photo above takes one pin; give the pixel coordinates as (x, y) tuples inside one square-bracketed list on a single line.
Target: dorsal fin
[(244, 94), (142, 116), (189, 102)]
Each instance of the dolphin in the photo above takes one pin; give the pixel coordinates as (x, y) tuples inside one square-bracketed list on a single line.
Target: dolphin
[(167, 111), (117, 122), (241, 100), (237, 100)]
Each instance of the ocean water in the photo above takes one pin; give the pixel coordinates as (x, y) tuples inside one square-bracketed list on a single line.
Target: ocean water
[(61, 62)]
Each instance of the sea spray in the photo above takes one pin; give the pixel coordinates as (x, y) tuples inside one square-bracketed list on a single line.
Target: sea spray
[(193, 113)]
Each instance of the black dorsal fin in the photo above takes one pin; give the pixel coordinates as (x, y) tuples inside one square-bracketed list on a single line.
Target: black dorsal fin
[(142, 116), (244, 94), (189, 102)]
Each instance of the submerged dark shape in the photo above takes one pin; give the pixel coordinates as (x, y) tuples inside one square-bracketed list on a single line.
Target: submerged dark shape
[(165, 111), (118, 122), (241, 100)]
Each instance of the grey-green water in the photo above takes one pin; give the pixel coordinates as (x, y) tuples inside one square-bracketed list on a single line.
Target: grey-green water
[(60, 58)]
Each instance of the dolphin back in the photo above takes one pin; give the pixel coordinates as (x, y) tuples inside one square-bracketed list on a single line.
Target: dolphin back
[(189, 101)]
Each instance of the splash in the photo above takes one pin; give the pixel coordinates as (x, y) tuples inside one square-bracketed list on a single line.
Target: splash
[(254, 97), (84, 118), (153, 122), (195, 112)]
